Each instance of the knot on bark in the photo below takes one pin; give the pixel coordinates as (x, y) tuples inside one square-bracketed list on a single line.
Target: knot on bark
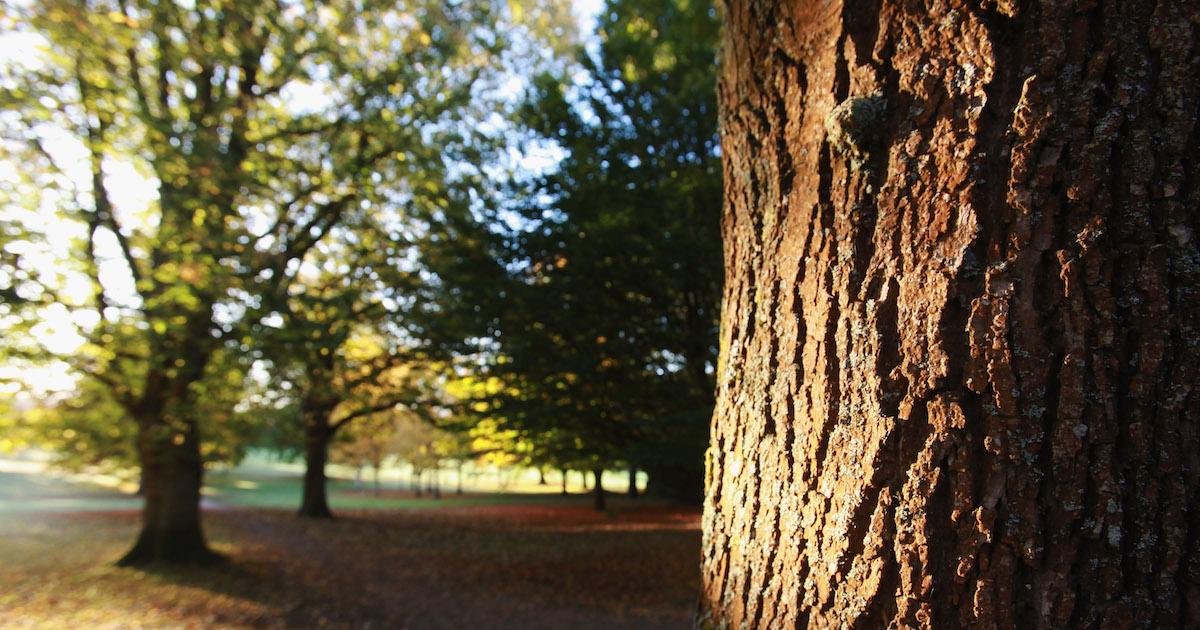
[(851, 126)]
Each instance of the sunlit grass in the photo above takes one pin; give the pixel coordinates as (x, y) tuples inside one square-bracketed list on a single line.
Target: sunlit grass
[(31, 483), (59, 573)]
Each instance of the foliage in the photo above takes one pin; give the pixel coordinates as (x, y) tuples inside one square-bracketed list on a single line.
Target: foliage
[(593, 288), (262, 128), (87, 427), (337, 342)]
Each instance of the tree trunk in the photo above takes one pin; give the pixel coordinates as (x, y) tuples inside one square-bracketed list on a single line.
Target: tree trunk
[(378, 489), (678, 483), (459, 479), (960, 344), (598, 499), (633, 489), (315, 502), (171, 478), (541, 476), (564, 480)]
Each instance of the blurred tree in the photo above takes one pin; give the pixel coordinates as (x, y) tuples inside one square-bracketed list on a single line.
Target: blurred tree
[(88, 428), (416, 442), (262, 127), (367, 443), (593, 287), (341, 377), (337, 339)]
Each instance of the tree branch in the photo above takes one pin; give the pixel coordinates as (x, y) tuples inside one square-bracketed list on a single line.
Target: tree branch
[(376, 408)]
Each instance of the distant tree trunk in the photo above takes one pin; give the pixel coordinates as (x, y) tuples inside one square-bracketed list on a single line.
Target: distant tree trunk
[(172, 475), (315, 502), (960, 347), (564, 480), (541, 476), (598, 492), (459, 478), (633, 489), (584, 477), (378, 489), (676, 482)]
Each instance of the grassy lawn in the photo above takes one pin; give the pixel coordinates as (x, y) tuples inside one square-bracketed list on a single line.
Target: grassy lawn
[(481, 561), (250, 488)]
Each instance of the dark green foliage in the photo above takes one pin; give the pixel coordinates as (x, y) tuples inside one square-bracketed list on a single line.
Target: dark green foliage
[(594, 288)]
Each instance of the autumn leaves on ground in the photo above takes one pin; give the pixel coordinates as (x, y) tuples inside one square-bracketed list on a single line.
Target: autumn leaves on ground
[(494, 561)]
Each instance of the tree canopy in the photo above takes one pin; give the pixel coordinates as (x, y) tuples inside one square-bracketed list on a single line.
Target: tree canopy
[(592, 287), (263, 127)]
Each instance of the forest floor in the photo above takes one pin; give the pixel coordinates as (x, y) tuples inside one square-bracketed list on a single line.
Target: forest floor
[(482, 561)]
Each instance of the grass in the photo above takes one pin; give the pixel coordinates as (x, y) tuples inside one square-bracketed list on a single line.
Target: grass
[(250, 489), (30, 485)]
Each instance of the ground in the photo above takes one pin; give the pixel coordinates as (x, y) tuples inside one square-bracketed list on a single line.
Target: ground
[(481, 561)]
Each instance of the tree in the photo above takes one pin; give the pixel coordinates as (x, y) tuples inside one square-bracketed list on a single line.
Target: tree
[(337, 339), (86, 427), (262, 127), (417, 442), (344, 379), (367, 443), (957, 383), (596, 297)]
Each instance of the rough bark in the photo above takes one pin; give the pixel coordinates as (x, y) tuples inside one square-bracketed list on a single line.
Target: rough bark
[(961, 330)]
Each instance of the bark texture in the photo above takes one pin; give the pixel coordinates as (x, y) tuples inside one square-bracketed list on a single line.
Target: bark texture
[(960, 344)]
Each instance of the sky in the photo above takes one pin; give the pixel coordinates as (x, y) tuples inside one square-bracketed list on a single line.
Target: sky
[(133, 193)]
